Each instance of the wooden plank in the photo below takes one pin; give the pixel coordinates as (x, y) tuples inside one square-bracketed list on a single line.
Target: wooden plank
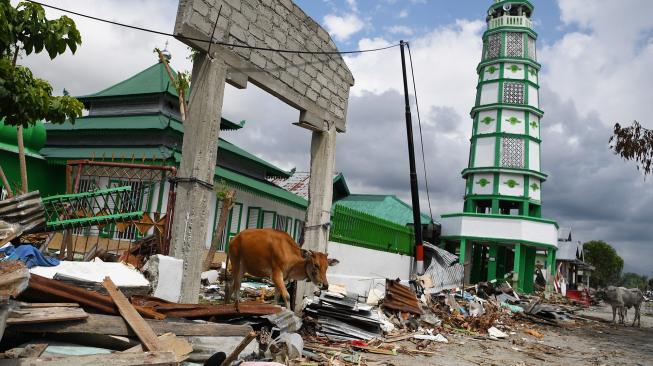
[(32, 305), (241, 346), (132, 317), (122, 359), (34, 350), (171, 342), (115, 325), (45, 315)]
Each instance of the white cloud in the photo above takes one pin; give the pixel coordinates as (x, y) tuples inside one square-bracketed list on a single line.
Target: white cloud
[(343, 27), (605, 65), (445, 67), (400, 29), (403, 13), (109, 53), (352, 4)]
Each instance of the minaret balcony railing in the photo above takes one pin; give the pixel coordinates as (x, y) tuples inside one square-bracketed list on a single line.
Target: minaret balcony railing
[(510, 21)]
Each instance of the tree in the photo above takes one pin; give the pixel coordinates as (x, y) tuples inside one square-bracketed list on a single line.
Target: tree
[(634, 143), (634, 280), (25, 99), (607, 263)]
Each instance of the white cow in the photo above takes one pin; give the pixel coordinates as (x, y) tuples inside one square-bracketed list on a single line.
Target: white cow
[(621, 298)]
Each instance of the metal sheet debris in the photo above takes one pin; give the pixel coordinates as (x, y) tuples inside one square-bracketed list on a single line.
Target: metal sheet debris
[(401, 298)]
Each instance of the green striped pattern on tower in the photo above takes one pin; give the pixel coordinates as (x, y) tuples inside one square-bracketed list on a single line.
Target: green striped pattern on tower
[(504, 175)]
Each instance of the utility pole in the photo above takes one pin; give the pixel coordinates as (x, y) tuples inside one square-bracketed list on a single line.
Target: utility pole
[(414, 191)]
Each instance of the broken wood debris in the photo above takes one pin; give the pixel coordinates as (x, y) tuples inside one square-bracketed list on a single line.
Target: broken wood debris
[(132, 317), (170, 342), (122, 359), (14, 279), (45, 289), (115, 325), (26, 315), (176, 310)]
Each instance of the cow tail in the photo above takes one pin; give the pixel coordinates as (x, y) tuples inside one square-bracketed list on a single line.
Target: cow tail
[(227, 284)]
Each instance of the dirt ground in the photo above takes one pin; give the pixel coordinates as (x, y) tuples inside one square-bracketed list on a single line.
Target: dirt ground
[(592, 343)]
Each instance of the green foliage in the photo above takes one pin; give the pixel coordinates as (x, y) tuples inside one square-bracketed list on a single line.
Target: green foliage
[(221, 190), (634, 280), (25, 99), (608, 264)]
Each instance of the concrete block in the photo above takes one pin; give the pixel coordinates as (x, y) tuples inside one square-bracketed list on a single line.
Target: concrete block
[(165, 274)]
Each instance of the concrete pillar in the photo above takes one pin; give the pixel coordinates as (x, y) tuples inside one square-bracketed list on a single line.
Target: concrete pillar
[(320, 195), (492, 262), (196, 172)]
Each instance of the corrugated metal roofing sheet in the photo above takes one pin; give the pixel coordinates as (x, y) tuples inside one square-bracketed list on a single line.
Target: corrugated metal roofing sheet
[(444, 270)]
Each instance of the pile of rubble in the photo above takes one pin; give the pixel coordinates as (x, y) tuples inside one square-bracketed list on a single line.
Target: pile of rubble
[(409, 321)]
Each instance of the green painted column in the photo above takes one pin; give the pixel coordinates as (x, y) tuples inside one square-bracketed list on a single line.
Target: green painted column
[(502, 253), (463, 249), (495, 206), (492, 262), (529, 270), (519, 266), (477, 265)]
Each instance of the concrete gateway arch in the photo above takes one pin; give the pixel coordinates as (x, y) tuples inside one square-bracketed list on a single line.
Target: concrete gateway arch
[(315, 81)]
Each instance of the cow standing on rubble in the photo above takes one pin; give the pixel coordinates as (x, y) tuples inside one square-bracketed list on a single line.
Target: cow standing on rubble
[(274, 254), (621, 298)]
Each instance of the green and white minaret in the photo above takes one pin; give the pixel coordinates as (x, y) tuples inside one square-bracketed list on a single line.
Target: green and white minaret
[(501, 229)]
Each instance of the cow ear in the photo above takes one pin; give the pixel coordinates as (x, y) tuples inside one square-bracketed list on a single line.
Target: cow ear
[(306, 253), (333, 262)]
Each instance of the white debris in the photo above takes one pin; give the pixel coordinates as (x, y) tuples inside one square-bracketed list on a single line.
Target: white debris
[(438, 337), (165, 274), (210, 276), (496, 333), (95, 271)]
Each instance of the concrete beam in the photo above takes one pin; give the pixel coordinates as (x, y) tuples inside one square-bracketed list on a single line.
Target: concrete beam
[(320, 195), (237, 79), (196, 171)]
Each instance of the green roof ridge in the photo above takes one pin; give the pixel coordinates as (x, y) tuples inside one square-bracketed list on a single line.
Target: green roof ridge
[(380, 207), (132, 85)]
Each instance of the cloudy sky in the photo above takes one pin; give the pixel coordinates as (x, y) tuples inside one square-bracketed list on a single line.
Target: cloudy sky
[(597, 57)]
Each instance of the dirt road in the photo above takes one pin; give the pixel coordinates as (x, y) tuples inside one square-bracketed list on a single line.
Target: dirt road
[(594, 343)]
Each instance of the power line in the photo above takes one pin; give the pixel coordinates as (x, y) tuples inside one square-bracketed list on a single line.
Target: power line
[(419, 122), (213, 41)]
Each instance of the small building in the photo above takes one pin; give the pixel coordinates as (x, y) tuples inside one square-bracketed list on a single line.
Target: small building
[(570, 263)]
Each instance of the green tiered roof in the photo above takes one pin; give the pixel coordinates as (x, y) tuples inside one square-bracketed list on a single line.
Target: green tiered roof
[(153, 80)]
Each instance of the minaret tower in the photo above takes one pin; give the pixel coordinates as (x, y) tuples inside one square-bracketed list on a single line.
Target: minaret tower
[(501, 229)]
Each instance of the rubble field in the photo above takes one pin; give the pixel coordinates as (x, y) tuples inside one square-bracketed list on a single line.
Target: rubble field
[(595, 343)]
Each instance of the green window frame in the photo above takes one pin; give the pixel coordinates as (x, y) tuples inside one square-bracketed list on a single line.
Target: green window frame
[(299, 225), (289, 225), (253, 214), (264, 218)]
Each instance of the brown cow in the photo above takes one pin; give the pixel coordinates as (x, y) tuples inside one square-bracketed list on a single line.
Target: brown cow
[(274, 254)]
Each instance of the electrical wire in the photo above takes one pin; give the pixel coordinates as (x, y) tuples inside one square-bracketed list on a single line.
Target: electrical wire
[(419, 123), (213, 41)]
